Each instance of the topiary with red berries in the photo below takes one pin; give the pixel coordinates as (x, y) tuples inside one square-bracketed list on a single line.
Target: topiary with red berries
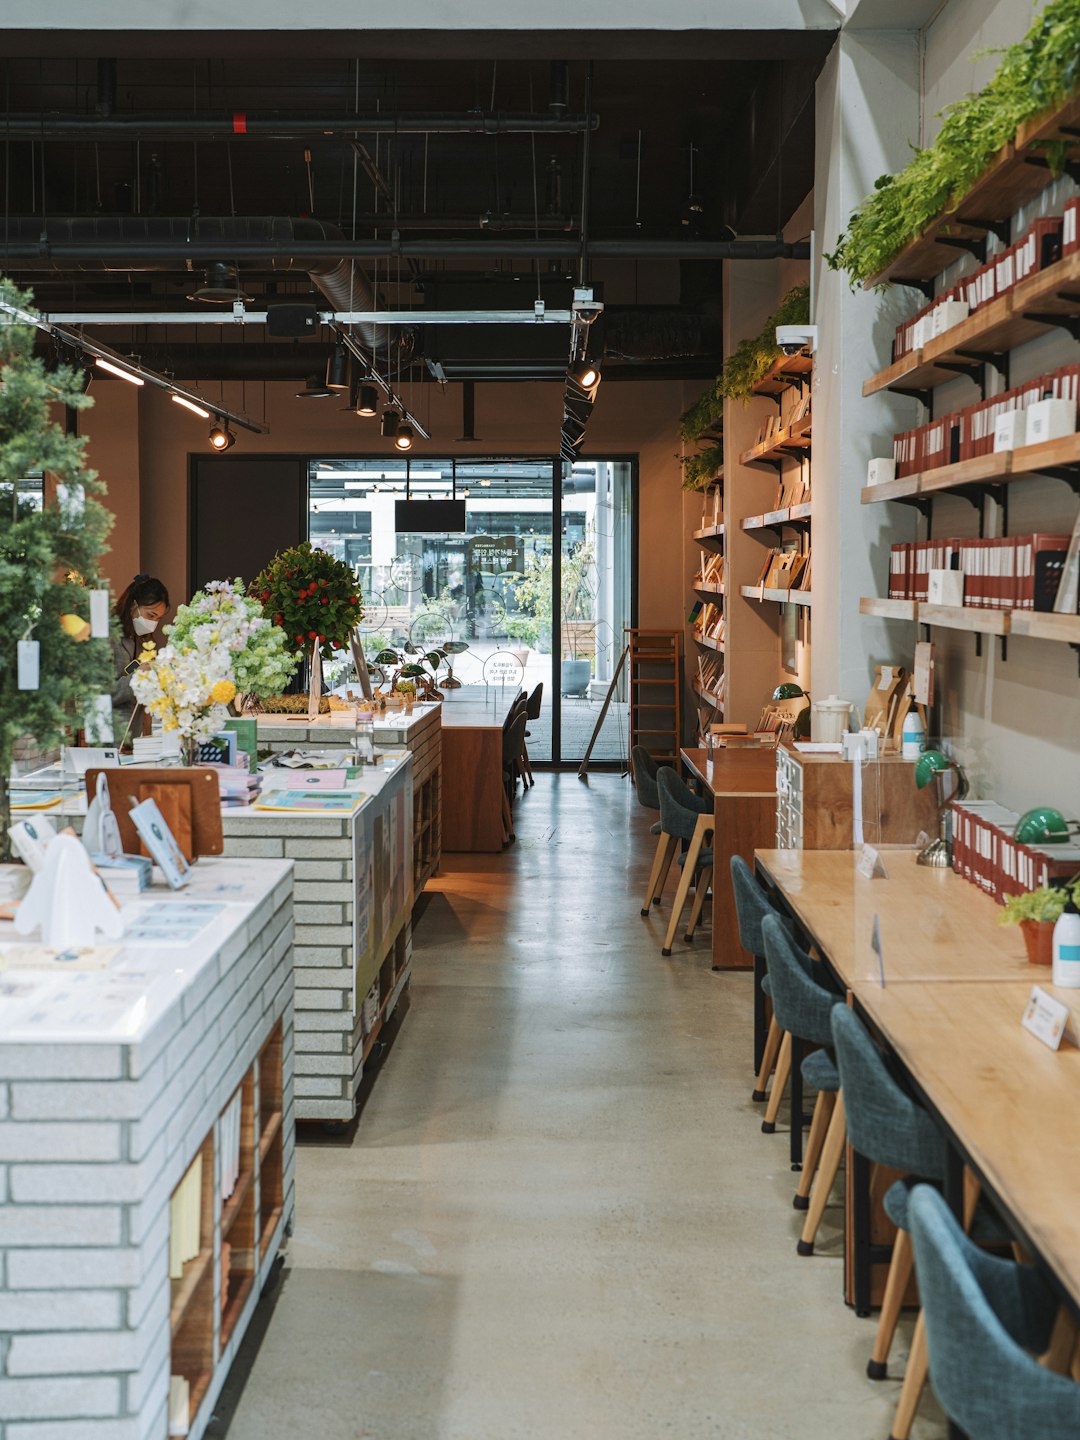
[(312, 596)]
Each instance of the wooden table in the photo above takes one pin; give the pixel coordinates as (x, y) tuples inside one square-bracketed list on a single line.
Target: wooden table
[(742, 781), (934, 926), (472, 772), (1006, 1102), (955, 987)]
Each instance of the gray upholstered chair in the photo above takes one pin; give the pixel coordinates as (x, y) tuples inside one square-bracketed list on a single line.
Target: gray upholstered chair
[(887, 1127), (751, 907), (686, 816), (803, 1007), (985, 1320), (643, 768)]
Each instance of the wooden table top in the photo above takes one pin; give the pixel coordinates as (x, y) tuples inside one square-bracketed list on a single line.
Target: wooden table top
[(1009, 1101), (739, 771), (934, 926)]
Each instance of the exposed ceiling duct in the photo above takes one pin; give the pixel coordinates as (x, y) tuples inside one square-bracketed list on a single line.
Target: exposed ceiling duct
[(284, 125)]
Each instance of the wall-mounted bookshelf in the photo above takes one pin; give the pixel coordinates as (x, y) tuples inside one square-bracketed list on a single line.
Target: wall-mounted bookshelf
[(999, 468), (1034, 624), (778, 597)]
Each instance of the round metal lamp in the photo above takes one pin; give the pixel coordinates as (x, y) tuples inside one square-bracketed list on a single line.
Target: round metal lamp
[(931, 766)]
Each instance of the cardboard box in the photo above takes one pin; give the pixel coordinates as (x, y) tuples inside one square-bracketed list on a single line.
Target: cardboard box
[(1010, 428), (880, 470), (1050, 420), (945, 587)]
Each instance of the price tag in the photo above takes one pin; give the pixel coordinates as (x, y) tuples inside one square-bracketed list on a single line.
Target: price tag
[(1045, 1017), (29, 664), (871, 864), (99, 614)]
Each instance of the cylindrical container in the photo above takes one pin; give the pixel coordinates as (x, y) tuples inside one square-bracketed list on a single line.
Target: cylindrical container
[(1067, 948), (912, 736), (829, 720)]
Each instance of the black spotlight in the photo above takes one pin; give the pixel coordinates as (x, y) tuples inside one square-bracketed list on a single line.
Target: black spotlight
[(404, 437), (221, 286), (314, 389), (221, 437), (337, 368), (367, 402), (390, 421), (586, 375)]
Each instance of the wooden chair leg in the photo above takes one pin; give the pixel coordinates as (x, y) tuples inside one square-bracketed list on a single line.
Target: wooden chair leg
[(669, 858), (779, 1084), (1063, 1338), (665, 849), (768, 1058), (831, 1154), (701, 890), (686, 879), (819, 1126), (525, 765), (914, 1381), (900, 1268), (507, 816)]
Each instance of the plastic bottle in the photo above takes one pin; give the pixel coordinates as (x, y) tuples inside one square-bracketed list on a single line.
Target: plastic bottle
[(1067, 948), (364, 738), (912, 736)]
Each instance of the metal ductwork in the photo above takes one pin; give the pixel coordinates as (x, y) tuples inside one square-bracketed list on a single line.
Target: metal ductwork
[(284, 125), (147, 244)]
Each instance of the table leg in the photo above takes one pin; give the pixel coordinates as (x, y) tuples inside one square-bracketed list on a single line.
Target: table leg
[(797, 1052), (860, 1231), (761, 1023)]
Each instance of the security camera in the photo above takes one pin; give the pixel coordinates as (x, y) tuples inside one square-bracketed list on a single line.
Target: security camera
[(793, 338)]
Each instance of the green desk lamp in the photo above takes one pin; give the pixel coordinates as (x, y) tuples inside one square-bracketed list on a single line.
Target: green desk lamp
[(1042, 825), (801, 722), (930, 765)]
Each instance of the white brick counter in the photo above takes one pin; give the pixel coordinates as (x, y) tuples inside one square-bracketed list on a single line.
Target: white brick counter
[(354, 896), (111, 1082)]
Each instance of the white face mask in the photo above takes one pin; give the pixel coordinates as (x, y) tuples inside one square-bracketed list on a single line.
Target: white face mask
[(142, 626)]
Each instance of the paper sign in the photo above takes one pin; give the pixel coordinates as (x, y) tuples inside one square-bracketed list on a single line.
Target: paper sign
[(923, 675), (875, 945), (1045, 1017), (99, 614), (885, 683), (871, 864), (29, 664)]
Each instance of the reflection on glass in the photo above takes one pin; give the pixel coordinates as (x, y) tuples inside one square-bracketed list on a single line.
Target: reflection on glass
[(490, 590)]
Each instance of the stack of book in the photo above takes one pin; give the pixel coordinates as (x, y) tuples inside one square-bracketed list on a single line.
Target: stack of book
[(711, 571), (185, 1217), (1016, 572), (238, 786), (125, 875), (785, 570), (230, 1145), (711, 677), (987, 853)]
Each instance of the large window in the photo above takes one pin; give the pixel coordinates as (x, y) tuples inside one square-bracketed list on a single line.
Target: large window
[(537, 587)]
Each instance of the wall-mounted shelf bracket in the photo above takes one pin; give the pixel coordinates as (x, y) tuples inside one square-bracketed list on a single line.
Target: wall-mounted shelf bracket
[(1067, 474), (1061, 321), (998, 360), (1071, 167), (924, 397), (922, 503), (973, 244), (924, 287), (1002, 229)]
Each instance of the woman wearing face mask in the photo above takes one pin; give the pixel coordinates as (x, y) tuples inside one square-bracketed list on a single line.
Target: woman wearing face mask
[(140, 610)]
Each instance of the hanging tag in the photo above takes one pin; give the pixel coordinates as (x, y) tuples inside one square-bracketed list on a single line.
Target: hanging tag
[(29, 664), (99, 614)]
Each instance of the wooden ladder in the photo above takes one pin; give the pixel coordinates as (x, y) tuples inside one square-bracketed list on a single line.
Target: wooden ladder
[(655, 658)]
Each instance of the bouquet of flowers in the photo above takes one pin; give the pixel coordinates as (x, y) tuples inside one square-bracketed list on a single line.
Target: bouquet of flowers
[(260, 658), (313, 597), (187, 687)]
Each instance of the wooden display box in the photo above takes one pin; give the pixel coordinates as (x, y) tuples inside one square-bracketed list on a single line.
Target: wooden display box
[(816, 804)]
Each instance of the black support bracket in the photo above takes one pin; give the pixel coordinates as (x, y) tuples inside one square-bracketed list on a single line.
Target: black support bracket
[(924, 287), (999, 228), (1067, 474), (1071, 167), (973, 244), (1069, 323), (924, 397)]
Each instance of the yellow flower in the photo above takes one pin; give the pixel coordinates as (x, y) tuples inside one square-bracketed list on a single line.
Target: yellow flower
[(223, 692), (148, 651)]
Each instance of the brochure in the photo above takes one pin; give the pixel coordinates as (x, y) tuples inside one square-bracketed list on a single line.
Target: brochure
[(159, 840), (340, 802)]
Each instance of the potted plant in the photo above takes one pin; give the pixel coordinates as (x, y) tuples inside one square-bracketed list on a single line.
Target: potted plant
[(1037, 912), (316, 601), (534, 595)]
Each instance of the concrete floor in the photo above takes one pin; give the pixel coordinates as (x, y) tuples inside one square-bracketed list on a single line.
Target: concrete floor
[(558, 1218)]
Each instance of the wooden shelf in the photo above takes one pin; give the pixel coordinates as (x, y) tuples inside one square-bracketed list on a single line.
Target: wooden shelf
[(232, 1206), (1036, 624), (778, 597), (266, 1135), (707, 696), (793, 437), (194, 1272), (234, 1309), (708, 589), (773, 519), (1042, 625), (709, 534), (999, 468), (789, 370), (707, 643), (1000, 325), (888, 609), (1009, 181)]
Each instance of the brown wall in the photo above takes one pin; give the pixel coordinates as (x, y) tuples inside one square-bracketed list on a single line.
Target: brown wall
[(151, 534)]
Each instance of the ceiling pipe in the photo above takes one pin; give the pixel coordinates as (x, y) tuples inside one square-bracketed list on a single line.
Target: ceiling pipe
[(283, 125), (297, 249)]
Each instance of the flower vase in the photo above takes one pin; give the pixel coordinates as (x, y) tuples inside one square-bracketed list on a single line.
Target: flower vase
[(1039, 939), (187, 750), (315, 687)]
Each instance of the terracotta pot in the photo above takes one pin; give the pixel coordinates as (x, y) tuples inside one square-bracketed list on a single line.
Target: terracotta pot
[(1039, 939)]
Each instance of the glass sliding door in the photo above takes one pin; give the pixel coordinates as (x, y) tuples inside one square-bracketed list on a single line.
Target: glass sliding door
[(597, 513), (501, 594)]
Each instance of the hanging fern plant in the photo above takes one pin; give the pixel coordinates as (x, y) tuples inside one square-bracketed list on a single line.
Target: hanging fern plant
[(752, 359), (1039, 72), (706, 411), (702, 468)]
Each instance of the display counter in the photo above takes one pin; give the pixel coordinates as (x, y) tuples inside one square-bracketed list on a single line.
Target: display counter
[(146, 1135), (354, 898), (473, 720), (419, 734)]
